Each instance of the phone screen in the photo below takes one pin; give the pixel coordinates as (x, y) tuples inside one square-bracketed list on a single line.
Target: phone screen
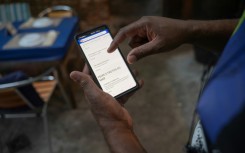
[(110, 69)]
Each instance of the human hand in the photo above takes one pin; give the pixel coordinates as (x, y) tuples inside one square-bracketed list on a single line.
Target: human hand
[(114, 120), (123, 99), (108, 112), (151, 35)]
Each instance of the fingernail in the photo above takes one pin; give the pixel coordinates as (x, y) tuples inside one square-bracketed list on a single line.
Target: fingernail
[(132, 59), (109, 50), (76, 78)]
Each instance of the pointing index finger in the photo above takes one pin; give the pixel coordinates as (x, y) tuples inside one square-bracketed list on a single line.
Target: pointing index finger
[(128, 31)]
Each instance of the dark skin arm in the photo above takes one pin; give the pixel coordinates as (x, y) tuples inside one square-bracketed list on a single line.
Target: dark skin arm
[(152, 35), (212, 35), (113, 119), (149, 35)]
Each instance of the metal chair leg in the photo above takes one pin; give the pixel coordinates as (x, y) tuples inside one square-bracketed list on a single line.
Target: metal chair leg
[(62, 90), (46, 128), (1, 145), (65, 96)]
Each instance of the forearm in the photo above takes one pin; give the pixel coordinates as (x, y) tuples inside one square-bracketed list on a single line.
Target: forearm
[(122, 140), (113, 119), (212, 35)]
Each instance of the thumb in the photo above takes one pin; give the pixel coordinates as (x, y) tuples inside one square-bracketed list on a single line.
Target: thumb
[(142, 51), (90, 89)]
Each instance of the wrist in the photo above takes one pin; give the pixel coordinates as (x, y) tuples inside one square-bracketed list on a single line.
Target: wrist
[(210, 33), (113, 131), (112, 126), (123, 139), (193, 31)]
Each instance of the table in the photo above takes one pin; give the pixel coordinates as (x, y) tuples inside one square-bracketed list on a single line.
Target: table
[(57, 51), (35, 60)]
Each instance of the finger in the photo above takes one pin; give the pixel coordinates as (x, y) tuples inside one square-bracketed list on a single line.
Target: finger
[(124, 99), (128, 31), (141, 83), (86, 69), (134, 41), (89, 87), (137, 41), (142, 51), (135, 72)]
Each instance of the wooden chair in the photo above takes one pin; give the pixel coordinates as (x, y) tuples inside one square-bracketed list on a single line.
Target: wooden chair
[(58, 11), (27, 97)]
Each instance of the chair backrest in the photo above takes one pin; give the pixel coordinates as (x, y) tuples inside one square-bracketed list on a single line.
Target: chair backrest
[(14, 12), (58, 11)]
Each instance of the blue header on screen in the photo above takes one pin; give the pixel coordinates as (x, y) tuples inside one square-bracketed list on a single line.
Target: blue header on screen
[(91, 36)]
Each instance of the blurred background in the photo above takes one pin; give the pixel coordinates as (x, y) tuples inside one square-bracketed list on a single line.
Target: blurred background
[(162, 110)]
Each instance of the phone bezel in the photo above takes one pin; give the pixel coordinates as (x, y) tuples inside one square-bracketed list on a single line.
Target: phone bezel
[(103, 27)]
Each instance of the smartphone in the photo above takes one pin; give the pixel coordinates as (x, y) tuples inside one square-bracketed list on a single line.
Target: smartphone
[(109, 70)]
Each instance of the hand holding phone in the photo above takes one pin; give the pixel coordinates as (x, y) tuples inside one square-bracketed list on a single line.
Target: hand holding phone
[(109, 70)]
